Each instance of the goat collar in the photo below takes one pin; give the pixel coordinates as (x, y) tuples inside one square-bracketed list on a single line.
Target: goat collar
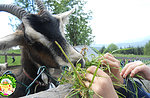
[(29, 77)]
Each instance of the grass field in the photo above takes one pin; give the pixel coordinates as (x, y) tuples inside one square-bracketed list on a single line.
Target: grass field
[(131, 55), (18, 58), (9, 58)]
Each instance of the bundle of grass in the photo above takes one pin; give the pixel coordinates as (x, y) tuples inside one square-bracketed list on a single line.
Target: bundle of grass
[(76, 77)]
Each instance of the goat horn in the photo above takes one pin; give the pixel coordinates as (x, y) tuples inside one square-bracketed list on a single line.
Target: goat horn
[(13, 9), (40, 5), (42, 8)]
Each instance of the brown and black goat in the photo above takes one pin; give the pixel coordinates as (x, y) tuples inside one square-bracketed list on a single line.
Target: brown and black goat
[(37, 38)]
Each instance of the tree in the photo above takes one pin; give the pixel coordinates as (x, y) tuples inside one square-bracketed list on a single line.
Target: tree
[(147, 48), (78, 31), (132, 50), (112, 47), (102, 49), (139, 50)]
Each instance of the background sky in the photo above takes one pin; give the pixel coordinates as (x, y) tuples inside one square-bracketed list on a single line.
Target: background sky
[(120, 20), (114, 21), (5, 29)]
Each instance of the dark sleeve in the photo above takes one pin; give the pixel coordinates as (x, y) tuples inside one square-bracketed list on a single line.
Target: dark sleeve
[(132, 89)]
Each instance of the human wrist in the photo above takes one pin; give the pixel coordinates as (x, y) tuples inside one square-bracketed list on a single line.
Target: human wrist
[(112, 94), (147, 72), (118, 80)]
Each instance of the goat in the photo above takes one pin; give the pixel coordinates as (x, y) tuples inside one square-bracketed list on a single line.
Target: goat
[(36, 37), (3, 66)]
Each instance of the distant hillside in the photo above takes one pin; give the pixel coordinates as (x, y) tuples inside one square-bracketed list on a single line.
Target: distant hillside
[(137, 43), (133, 44)]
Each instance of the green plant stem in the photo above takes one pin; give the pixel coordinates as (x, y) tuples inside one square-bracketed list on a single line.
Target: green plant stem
[(80, 80), (94, 74), (144, 86)]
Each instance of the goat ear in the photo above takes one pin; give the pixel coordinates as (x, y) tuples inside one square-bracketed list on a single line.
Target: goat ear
[(11, 40), (65, 16)]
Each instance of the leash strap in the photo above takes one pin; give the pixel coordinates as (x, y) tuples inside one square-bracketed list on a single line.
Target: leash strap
[(37, 82)]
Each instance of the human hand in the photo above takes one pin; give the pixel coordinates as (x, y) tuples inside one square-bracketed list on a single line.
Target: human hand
[(134, 68), (114, 64), (102, 84)]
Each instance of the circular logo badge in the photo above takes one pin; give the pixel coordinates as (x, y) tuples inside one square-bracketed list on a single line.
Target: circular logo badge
[(7, 85)]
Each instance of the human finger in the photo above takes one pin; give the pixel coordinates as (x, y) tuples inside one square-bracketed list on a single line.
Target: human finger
[(110, 63), (110, 57), (107, 55), (136, 70), (125, 68), (92, 70), (89, 76), (87, 84), (128, 70), (136, 63)]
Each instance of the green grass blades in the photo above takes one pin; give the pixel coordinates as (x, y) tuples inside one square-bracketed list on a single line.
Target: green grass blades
[(76, 77)]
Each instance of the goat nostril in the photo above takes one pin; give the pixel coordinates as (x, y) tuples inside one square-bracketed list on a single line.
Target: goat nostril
[(65, 67), (81, 61)]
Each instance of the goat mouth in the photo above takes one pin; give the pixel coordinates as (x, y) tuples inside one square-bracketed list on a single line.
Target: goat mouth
[(75, 63)]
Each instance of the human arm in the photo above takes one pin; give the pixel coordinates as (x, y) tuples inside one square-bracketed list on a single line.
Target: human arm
[(136, 67), (102, 84)]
